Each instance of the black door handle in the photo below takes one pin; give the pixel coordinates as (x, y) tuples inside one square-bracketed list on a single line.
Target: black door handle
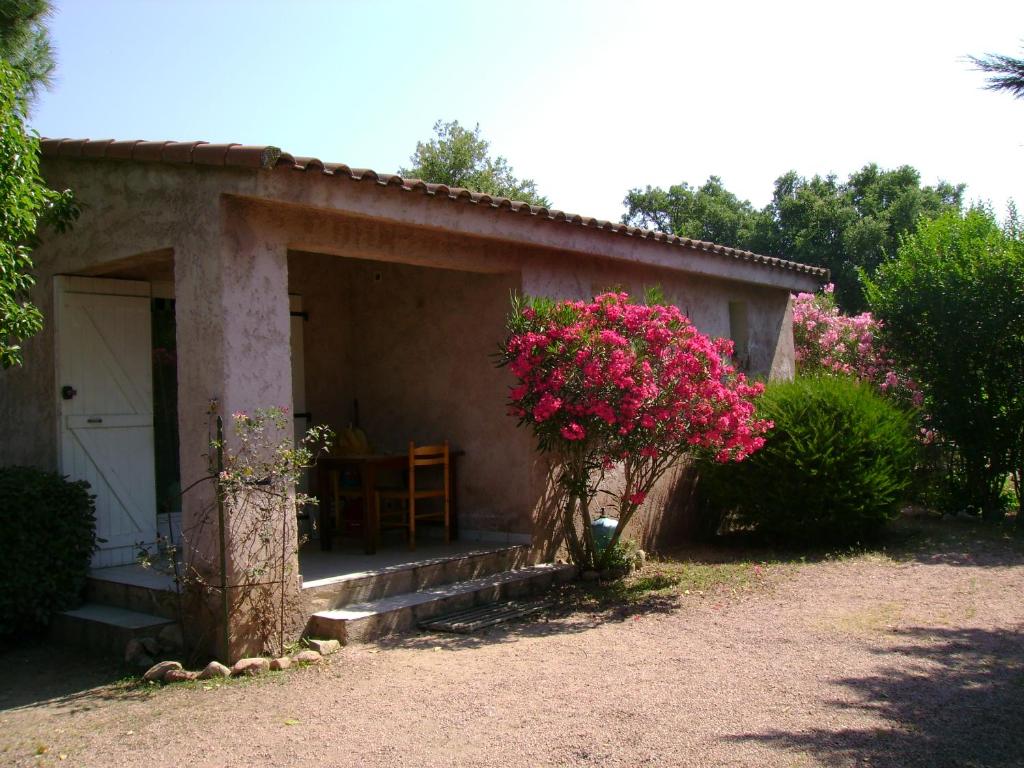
[(67, 392)]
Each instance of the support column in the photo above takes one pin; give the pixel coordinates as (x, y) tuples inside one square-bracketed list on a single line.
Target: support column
[(234, 349)]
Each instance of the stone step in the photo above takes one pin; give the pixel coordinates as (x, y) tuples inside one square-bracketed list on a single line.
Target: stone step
[(104, 628), (368, 621), (482, 616), (342, 591)]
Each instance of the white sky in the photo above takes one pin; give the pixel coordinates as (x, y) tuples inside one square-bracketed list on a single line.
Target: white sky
[(587, 98)]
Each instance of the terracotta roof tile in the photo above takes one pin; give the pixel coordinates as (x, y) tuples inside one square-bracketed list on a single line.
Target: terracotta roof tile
[(269, 157), (96, 148), (178, 151), (116, 150)]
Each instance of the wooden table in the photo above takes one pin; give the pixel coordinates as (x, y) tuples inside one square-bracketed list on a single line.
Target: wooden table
[(367, 465)]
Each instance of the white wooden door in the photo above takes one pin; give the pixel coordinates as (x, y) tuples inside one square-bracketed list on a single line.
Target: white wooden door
[(104, 386)]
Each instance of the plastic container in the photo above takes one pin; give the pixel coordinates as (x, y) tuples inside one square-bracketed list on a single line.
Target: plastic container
[(603, 529)]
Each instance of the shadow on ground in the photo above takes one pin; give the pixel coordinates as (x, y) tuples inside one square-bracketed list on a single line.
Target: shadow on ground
[(574, 609), (62, 677), (960, 542), (949, 697), (924, 538)]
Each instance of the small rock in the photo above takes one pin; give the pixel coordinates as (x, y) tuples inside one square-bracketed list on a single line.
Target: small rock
[(590, 575), (158, 670), (151, 645), (179, 676), (255, 665), (307, 656), (324, 647), (214, 669), (170, 638), (277, 665)]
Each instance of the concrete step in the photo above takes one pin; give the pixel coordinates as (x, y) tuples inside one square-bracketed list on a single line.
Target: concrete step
[(141, 598), (342, 591), (368, 621), (104, 628)]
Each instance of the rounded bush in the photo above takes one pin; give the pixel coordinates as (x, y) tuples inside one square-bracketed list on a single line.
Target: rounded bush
[(833, 470), (49, 535)]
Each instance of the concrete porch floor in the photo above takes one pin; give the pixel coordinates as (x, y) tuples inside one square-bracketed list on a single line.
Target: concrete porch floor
[(347, 561), (318, 568)]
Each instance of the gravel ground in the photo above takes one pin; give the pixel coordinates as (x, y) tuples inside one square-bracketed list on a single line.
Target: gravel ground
[(912, 660)]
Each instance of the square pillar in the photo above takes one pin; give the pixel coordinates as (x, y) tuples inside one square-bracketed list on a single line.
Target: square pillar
[(233, 331)]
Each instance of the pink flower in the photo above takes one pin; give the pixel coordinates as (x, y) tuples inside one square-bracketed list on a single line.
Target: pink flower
[(614, 339), (546, 407), (832, 343), (637, 382), (573, 431), (637, 498)]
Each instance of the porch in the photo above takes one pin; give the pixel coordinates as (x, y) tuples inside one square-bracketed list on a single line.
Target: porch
[(319, 571), (345, 594)]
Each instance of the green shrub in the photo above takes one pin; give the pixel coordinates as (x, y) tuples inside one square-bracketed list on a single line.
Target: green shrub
[(621, 559), (952, 311), (832, 471), (49, 535)]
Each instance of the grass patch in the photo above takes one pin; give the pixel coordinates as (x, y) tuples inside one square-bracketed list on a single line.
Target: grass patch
[(674, 579), (738, 564), (879, 617)]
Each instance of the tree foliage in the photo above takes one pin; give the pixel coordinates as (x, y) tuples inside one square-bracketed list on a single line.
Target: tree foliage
[(1005, 73), (23, 198), (458, 157), (709, 212), (952, 310), (849, 226), (25, 201), (25, 43)]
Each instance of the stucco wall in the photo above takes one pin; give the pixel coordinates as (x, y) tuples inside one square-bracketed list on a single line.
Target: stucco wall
[(413, 345), (28, 411), (127, 210)]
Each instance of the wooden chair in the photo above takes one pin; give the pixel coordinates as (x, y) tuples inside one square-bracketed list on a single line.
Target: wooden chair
[(421, 457)]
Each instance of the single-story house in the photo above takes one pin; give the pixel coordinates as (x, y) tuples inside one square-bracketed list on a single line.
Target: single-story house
[(256, 278)]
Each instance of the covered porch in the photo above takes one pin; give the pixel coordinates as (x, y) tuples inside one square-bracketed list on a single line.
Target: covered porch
[(344, 595), (400, 349)]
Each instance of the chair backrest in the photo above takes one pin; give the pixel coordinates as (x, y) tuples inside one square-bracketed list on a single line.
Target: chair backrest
[(427, 456)]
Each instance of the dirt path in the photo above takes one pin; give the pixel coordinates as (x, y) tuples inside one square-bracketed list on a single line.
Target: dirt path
[(917, 661)]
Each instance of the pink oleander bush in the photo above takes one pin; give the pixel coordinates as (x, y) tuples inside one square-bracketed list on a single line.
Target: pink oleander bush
[(831, 343), (609, 383)]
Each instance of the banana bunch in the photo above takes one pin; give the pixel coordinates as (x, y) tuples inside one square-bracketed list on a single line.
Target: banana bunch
[(353, 441)]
